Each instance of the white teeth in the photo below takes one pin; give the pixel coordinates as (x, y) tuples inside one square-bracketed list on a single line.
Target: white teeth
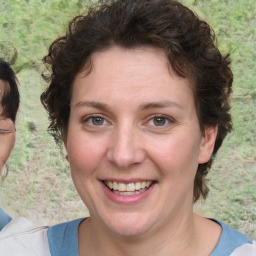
[(110, 184), (138, 185), (115, 187), (121, 187), (128, 189)]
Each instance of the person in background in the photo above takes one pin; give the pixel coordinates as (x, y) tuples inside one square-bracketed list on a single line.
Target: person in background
[(9, 227), (9, 104)]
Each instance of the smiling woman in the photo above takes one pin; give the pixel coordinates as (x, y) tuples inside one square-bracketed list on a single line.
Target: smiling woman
[(139, 94), (130, 146)]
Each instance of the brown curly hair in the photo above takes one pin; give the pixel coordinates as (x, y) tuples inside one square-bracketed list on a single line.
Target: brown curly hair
[(188, 42), (11, 100)]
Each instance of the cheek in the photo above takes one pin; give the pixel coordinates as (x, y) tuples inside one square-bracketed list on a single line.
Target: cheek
[(7, 144), (176, 155), (84, 154)]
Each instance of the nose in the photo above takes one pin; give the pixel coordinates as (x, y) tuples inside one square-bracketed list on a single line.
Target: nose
[(126, 147)]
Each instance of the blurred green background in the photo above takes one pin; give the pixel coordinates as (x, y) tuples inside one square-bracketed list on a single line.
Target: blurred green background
[(39, 185)]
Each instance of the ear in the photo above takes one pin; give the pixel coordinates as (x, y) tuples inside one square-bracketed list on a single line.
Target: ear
[(64, 148), (207, 144)]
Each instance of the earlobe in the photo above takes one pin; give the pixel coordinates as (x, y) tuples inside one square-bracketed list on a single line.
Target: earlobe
[(65, 152), (207, 144)]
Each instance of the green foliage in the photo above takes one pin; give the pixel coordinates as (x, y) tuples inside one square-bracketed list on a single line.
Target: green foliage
[(32, 25), (234, 23), (233, 177)]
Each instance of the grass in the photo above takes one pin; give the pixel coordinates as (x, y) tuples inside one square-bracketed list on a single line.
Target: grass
[(233, 177), (39, 185)]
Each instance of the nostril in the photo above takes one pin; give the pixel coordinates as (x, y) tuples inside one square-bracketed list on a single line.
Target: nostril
[(124, 159)]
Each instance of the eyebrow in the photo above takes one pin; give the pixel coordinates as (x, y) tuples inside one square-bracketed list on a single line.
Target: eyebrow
[(164, 104), (92, 104), (142, 107)]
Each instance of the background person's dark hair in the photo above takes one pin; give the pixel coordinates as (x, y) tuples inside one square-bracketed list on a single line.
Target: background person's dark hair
[(11, 99), (188, 42)]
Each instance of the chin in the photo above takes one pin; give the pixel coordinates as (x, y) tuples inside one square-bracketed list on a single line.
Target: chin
[(129, 224)]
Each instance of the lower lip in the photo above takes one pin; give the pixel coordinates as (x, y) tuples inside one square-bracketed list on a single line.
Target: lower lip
[(132, 199)]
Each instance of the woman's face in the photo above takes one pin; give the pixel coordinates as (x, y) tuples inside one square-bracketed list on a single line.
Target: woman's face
[(134, 141), (7, 129)]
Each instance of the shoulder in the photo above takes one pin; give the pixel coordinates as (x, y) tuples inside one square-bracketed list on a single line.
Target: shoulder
[(20, 238), (63, 238), (4, 218), (230, 241)]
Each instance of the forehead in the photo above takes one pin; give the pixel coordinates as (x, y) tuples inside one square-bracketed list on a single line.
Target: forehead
[(128, 64), (128, 73)]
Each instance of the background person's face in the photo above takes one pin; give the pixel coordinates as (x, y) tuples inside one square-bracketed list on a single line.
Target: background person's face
[(7, 140), (7, 130), (133, 124)]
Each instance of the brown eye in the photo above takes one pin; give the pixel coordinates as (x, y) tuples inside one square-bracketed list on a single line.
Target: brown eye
[(6, 126), (96, 120), (159, 121)]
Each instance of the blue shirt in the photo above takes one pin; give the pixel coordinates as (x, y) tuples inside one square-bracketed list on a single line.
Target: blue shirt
[(4, 219), (63, 239), (230, 240)]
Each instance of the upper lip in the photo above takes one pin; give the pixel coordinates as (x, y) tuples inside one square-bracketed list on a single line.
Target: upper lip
[(127, 181)]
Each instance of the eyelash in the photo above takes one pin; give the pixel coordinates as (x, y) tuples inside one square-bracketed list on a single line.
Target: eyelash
[(167, 120), (4, 131), (89, 120)]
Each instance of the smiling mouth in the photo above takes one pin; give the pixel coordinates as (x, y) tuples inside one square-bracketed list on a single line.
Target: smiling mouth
[(129, 189)]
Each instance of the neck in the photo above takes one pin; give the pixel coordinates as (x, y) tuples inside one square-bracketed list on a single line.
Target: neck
[(178, 237)]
